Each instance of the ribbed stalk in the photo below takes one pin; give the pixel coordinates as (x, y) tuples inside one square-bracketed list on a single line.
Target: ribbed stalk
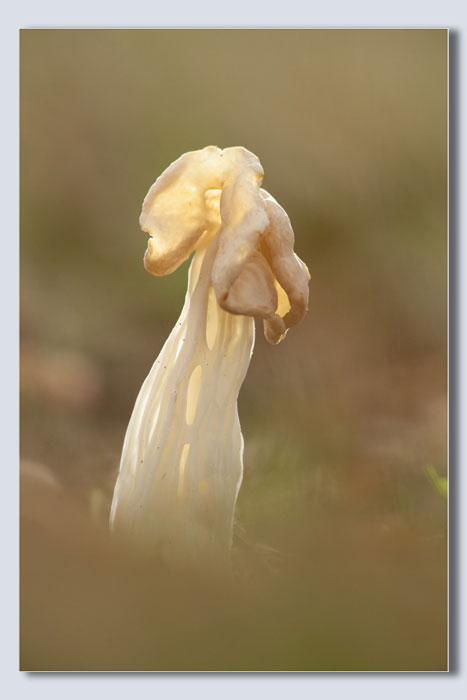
[(182, 460)]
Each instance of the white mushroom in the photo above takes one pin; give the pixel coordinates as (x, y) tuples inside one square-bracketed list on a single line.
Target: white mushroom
[(182, 460)]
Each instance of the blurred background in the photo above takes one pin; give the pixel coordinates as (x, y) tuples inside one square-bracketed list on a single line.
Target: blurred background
[(340, 543)]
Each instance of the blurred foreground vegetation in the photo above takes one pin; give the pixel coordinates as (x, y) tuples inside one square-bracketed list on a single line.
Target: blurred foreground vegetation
[(341, 538)]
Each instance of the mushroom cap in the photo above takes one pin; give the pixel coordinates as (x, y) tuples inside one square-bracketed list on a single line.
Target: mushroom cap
[(291, 273), (174, 209), (255, 270)]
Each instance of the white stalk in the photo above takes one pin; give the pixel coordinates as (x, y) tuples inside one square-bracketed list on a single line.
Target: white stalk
[(182, 460)]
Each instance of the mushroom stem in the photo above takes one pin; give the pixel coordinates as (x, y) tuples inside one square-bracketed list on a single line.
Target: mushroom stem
[(182, 460)]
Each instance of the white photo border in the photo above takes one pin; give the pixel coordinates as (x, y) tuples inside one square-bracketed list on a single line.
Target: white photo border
[(450, 14)]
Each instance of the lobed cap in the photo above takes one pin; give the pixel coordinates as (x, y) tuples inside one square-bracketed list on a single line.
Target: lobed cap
[(255, 270)]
